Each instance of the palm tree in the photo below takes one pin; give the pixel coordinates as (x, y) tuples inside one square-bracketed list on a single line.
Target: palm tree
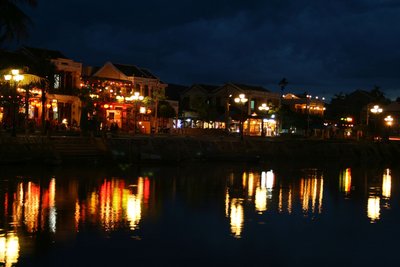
[(13, 21), (282, 84), (29, 81)]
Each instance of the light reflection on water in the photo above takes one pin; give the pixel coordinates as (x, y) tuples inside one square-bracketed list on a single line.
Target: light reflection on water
[(112, 203), (9, 249)]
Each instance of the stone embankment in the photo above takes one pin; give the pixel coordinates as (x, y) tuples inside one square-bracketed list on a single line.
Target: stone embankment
[(57, 150)]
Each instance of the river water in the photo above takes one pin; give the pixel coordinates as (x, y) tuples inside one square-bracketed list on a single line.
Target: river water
[(199, 215)]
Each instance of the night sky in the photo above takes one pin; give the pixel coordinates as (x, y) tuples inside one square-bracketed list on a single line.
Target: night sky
[(322, 47)]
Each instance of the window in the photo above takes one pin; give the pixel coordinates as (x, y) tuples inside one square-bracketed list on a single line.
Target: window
[(57, 81), (252, 104)]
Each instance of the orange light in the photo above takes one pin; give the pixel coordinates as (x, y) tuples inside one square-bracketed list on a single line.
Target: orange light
[(106, 106)]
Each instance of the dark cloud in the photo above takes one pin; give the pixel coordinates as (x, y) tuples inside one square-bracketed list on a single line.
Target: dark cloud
[(319, 46)]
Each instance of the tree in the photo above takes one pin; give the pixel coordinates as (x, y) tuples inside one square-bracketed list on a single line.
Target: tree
[(157, 96), (282, 84), (28, 82), (13, 21)]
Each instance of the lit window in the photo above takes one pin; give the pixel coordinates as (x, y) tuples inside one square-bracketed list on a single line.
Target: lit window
[(57, 81)]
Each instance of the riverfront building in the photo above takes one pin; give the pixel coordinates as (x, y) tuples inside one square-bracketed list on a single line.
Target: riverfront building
[(125, 96)]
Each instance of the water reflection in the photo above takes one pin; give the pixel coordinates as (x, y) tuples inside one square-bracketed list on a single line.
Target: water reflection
[(236, 215), (345, 181), (245, 197), (386, 184), (272, 194), (373, 209), (115, 203), (379, 195), (9, 249), (311, 192), (33, 204)]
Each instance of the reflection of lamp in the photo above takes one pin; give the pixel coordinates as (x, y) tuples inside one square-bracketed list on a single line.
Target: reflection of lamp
[(241, 100), (16, 78)]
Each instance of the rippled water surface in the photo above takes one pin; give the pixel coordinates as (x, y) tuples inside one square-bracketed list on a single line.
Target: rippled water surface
[(199, 215)]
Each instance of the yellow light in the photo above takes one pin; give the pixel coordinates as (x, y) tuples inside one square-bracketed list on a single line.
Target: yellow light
[(387, 184), (14, 72), (237, 217), (345, 181), (376, 109), (263, 107), (389, 120), (270, 179), (373, 208), (9, 249), (261, 199)]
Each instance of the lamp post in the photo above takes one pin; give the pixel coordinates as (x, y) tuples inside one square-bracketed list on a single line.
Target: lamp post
[(376, 110), (389, 123), (136, 98), (227, 113), (263, 108), (308, 113), (241, 100), (15, 77), (389, 120)]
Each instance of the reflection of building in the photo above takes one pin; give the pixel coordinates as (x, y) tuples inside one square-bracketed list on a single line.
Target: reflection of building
[(115, 203), (236, 215), (345, 181), (379, 194), (9, 249), (311, 193), (386, 184)]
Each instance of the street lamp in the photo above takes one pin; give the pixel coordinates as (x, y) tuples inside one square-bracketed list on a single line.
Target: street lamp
[(389, 120), (241, 100), (263, 108), (15, 77), (308, 103)]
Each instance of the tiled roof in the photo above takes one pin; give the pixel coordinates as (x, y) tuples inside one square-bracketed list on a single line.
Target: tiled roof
[(174, 91), (148, 73), (131, 70), (207, 87), (246, 87), (43, 53), (13, 60), (394, 107)]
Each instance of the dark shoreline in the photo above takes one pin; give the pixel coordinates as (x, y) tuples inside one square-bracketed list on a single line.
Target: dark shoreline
[(182, 149)]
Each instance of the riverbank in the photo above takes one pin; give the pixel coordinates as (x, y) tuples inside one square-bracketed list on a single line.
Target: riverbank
[(167, 148)]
